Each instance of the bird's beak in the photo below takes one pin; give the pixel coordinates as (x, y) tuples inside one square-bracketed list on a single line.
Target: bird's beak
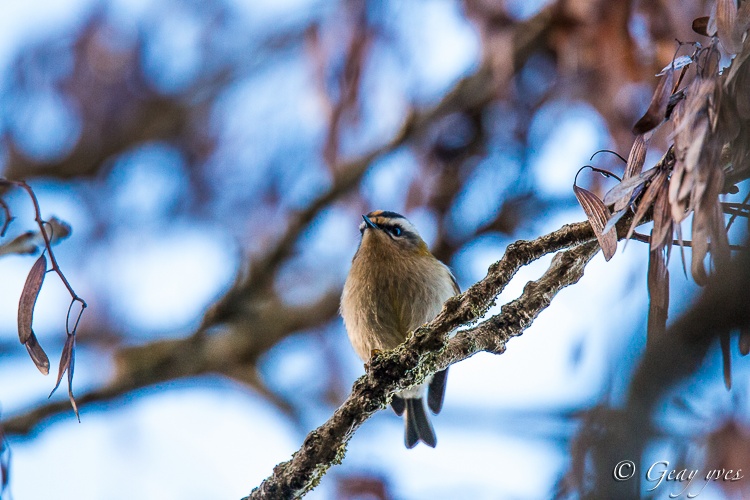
[(369, 222)]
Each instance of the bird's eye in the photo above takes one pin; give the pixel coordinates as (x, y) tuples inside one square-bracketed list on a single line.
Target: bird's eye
[(395, 231)]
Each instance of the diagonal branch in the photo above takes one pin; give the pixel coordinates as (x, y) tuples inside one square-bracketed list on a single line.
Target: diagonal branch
[(429, 350), (227, 352)]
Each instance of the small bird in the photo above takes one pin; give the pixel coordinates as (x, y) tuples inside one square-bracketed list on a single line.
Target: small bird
[(394, 286)]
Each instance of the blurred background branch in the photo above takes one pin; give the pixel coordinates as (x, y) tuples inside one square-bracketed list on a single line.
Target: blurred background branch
[(252, 320)]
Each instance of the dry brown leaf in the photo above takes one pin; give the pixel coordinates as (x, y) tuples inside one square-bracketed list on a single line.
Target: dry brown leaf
[(711, 61), (726, 356), (37, 354), (65, 359), (29, 295), (711, 26), (679, 206), (657, 109), (636, 159), (739, 62), (23, 244), (701, 236), (662, 219), (71, 366), (700, 26), (708, 219), (735, 108), (648, 198), (726, 19), (729, 121), (658, 292), (597, 215), (742, 23), (30, 242), (719, 239), (67, 363), (697, 145), (624, 189)]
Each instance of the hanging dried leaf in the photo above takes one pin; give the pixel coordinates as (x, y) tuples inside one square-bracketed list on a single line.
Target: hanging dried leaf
[(711, 26), (648, 198), (31, 242), (726, 356), (636, 159), (742, 23), (745, 341), (65, 360), (662, 219), (697, 144), (67, 363), (678, 182), (729, 121), (726, 18), (701, 235), (23, 244), (597, 215), (719, 240), (738, 63), (674, 99), (741, 99), (658, 292), (37, 354), (624, 189), (678, 63), (29, 295), (710, 61), (700, 26), (657, 109), (71, 367)]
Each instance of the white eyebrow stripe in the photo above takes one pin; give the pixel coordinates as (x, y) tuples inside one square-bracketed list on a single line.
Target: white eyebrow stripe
[(404, 223)]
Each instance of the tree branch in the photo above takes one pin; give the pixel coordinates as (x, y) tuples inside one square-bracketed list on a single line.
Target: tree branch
[(228, 353), (429, 350)]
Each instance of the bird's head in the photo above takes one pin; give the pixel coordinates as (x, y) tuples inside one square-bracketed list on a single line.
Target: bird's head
[(391, 233)]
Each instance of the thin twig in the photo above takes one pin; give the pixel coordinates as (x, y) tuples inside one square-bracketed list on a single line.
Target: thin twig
[(7, 217), (47, 244), (742, 206), (66, 362), (644, 238)]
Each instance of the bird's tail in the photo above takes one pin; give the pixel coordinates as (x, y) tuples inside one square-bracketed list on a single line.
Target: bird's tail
[(418, 426)]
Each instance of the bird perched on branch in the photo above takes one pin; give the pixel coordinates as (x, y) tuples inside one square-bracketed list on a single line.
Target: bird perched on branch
[(395, 285)]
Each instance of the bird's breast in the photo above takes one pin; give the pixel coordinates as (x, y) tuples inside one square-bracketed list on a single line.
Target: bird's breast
[(381, 304)]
